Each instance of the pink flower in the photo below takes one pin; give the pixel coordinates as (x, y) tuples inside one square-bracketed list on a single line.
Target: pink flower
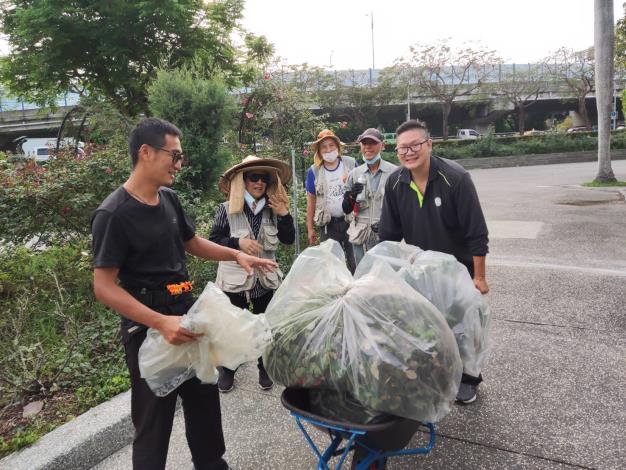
[(108, 170), (266, 76), (305, 153), (249, 115)]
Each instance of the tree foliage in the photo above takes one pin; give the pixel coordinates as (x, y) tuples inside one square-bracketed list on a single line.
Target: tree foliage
[(572, 72), (444, 73), (114, 48), (521, 88), (203, 110), (279, 111), (52, 203)]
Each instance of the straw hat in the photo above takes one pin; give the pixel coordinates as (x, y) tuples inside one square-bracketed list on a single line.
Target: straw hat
[(232, 184), (325, 134)]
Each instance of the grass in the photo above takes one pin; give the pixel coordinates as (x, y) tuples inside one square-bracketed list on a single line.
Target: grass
[(604, 184)]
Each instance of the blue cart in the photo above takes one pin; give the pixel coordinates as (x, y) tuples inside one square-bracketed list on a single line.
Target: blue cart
[(373, 444)]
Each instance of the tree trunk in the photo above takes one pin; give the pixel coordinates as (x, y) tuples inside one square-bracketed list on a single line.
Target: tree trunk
[(521, 118), (603, 45), (582, 110), (446, 107)]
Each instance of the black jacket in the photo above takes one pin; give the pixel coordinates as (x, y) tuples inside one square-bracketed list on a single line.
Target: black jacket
[(450, 219)]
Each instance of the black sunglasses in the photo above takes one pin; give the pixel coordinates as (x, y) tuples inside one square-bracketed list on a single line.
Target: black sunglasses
[(254, 177), (175, 154)]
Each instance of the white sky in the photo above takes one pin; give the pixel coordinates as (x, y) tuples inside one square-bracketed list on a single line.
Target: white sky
[(321, 31)]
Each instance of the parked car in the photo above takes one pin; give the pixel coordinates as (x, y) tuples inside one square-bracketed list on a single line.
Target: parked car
[(467, 134), (573, 130), (42, 154)]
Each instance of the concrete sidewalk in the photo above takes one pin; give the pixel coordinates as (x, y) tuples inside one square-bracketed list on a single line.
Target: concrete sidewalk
[(554, 394)]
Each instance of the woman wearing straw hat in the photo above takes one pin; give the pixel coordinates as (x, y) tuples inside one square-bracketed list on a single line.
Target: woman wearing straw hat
[(325, 186), (254, 220)]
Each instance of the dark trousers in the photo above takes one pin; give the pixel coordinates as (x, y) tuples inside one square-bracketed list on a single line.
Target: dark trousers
[(258, 306), (337, 229), (153, 416)]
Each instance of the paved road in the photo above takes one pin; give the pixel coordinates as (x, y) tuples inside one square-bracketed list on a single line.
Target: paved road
[(555, 388)]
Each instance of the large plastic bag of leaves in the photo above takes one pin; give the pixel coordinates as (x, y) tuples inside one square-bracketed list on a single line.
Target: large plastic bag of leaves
[(446, 283), (373, 337), (231, 336)]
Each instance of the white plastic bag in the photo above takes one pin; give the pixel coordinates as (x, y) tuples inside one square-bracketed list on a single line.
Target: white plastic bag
[(446, 283), (231, 336), (373, 337)]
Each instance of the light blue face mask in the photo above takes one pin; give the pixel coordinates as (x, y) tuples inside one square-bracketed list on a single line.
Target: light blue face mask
[(258, 205), (373, 160)]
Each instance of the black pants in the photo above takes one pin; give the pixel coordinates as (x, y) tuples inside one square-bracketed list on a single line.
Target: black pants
[(337, 229), (259, 305), (153, 416)]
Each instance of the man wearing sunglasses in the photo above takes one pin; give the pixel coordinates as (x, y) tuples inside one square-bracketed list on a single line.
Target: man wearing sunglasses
[(431, 202), (140, 238), (255, 219)]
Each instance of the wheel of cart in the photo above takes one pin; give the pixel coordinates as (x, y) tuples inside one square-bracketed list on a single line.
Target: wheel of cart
[(373, 443)]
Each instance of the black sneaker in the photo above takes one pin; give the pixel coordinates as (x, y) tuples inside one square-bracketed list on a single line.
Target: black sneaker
[(226, 381), (264, 380), (466, 393)]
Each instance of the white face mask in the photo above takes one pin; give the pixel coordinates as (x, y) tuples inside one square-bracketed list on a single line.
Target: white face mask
[(330, 157)]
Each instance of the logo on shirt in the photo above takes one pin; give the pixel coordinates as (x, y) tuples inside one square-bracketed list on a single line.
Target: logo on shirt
[(174, 221), (438, 201)]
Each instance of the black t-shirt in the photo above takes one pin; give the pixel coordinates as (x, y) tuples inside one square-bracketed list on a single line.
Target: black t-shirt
[(145, 242)]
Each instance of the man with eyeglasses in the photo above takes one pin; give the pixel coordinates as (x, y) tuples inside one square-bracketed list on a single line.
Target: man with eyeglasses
[(431, 202), (140, 238), (254, 219)]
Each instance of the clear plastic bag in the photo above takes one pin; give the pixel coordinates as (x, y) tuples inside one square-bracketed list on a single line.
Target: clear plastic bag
[(231, 336), (446, 283), (373, 337)]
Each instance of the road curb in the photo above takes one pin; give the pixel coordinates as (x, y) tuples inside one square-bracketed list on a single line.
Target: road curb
[(535, 159), (81, 443)]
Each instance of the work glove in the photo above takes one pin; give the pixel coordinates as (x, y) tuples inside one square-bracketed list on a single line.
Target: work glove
[(356, 190)]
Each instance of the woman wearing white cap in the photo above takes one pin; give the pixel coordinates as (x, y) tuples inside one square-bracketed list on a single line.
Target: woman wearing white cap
[(255, 219)]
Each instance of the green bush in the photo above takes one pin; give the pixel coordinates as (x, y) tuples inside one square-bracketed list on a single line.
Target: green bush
[(203, 110), (57, 343), (53, 202)]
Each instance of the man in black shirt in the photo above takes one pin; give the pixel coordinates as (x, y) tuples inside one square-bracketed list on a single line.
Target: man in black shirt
[(431, 202), (140, 237)]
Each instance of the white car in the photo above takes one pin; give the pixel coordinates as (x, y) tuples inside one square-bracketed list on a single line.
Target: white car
[(467, 134)]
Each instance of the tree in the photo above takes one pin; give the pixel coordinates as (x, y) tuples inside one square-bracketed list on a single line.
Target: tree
[(278, 109), (603, 46), (203, 111), (446, 74), (112, 48), (573, 72), (620, 42), (521, 88)]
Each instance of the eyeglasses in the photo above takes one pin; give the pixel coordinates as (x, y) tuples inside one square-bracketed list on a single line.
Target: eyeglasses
[(176, 155), (254, 177), (411, 148)]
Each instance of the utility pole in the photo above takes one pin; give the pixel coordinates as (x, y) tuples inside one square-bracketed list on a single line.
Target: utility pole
[(372, 27)]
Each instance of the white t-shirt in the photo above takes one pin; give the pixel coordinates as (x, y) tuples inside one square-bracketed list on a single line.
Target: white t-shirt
[(336, 188)]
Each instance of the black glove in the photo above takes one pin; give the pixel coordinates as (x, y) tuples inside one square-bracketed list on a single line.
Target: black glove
[(356, 190), (346, 204)]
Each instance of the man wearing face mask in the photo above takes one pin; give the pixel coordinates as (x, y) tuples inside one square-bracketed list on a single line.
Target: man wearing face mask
[(325, 184), (254, 220), (365, 192)]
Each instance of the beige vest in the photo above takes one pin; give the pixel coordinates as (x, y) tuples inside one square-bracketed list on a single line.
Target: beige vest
[(233, 278), (322, 213), (370, 207)]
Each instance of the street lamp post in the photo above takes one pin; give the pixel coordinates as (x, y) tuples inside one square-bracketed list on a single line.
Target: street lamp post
[(372, 28)]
